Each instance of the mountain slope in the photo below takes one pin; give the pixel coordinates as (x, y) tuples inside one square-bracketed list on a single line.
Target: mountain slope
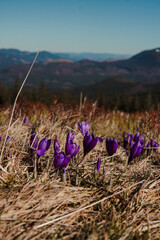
[(10, 57), (58, 75)]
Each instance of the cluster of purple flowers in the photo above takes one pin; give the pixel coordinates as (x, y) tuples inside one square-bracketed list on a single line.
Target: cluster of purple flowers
[(136, 145), (152, 145), (89, 140), (61, 159), (43, 145)]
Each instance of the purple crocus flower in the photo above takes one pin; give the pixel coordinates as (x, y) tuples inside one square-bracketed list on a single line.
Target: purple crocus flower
[(70, 136), (98, 164), (89, 142), (56, 146), (130, 138), (127, 141), (136, 150), (70, 147), (26, 120), (152, 144), (124, 133), (0, 138), (61, 160), (83, 127), (111, 146), (8, 138), (136, 137), (43, 146), (34, 140)]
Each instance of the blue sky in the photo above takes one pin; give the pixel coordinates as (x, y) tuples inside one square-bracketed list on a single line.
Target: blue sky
[(100, 26)]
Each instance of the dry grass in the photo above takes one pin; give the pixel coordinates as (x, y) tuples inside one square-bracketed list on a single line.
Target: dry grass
[(123, 205)]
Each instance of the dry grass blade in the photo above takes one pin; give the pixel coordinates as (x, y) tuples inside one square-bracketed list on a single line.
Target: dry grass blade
[(14, 105), (88, 206)]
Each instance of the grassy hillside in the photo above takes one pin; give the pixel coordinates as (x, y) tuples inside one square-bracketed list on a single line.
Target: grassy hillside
[(114, 203)]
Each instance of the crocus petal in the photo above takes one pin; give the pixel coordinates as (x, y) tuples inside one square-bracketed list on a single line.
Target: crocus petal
[(130, 138), (40, 152), (152, 144), (125, 143), (100, 140), (140, 138), (98, 164), (76, 151), (66, 161), (8, 138), (139, 150), (83, 127), (70, 148), (132, 153), (58, 160), (56, 146), (124, 133), (43, 144), (87, 139), (136, 150), (70, 136), (115, 145), (111, 146), (90, 146), (48, 144), (136, 136), (34, 140), (26, 120)]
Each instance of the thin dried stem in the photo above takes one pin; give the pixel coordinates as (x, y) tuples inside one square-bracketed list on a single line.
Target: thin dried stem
[(14, 105), (88, 206)]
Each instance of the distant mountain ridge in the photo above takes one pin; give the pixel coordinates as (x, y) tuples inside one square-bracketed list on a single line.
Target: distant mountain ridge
[(130, 84), (9, 57), (58, 73)]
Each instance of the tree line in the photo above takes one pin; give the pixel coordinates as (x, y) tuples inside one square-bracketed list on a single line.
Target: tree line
[(124, 102)]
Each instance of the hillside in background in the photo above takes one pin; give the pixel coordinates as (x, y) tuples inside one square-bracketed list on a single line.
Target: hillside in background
[(10, 57), (108, 81), (143, 67)]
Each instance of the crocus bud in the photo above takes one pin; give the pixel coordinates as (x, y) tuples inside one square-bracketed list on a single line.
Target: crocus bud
[(43, 146), (136, 137), (83, 127), (98, 164), (152, 144), (136, 150), (34, 140), (26, 120), (89, 142), (111, 146), (71, 148), (56, 146), (70, 136), (61, 160)]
